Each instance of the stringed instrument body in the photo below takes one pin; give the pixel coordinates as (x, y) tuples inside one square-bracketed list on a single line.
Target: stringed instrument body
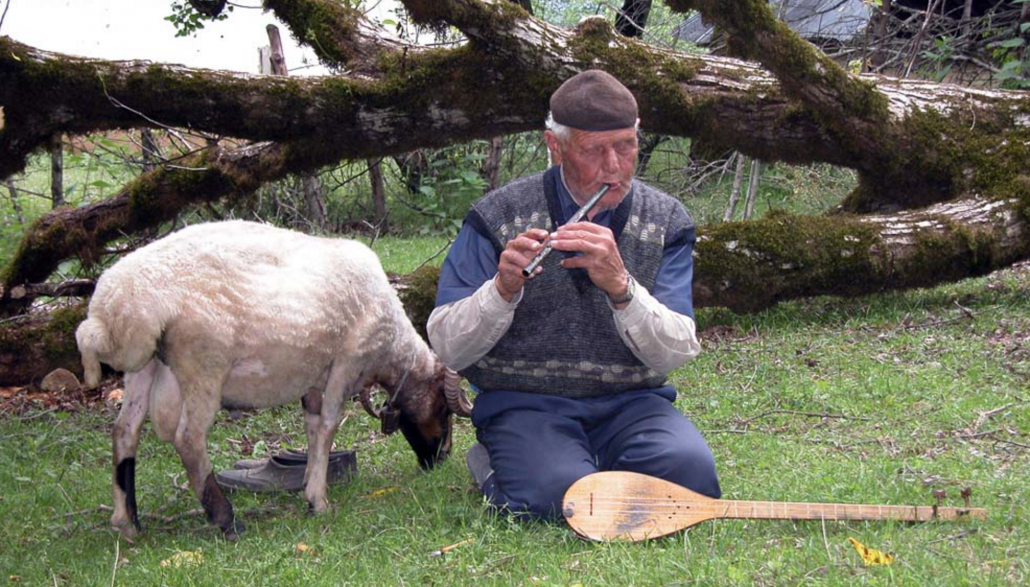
[(619, 505)]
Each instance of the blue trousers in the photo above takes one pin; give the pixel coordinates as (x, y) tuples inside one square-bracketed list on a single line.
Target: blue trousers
[(539, 445)]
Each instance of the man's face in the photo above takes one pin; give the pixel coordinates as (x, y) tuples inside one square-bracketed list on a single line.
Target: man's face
[(591, 159)]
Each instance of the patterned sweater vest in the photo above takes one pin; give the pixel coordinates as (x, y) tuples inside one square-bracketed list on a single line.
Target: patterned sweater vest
[(563, 339)]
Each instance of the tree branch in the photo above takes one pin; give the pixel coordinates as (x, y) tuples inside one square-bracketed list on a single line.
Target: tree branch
[(340, 36), (807, 74), (148, 201)]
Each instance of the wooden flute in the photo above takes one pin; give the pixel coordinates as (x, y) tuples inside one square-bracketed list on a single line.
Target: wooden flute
[(594, 199)]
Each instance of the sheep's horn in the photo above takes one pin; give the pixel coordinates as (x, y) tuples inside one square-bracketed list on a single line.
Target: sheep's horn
[(366, 402), (457, 401)]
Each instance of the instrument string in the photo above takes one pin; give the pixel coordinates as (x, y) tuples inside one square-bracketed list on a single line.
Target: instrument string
[(659, 506)]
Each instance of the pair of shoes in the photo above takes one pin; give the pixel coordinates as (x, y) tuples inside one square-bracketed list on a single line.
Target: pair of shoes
[(477, 459), (283, 472)]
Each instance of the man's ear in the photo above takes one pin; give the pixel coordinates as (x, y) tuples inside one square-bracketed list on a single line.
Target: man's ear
[(553, 146)]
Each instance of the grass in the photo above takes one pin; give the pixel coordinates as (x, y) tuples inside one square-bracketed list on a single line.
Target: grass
[(404, 255), (878, 399)]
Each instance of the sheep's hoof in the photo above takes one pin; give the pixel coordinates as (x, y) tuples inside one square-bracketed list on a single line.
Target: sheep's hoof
[(318, 507), (127, 530), (234, 530)]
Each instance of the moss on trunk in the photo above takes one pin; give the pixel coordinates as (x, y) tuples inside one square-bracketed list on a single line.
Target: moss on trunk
[(34, 345)]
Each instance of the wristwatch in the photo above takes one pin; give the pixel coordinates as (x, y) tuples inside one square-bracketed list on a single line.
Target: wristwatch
[(631, 288)]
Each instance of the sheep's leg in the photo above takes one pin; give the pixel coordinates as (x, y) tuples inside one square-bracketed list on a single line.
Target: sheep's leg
[(200, 404), (312, 404), (125, 441), (341, 378)]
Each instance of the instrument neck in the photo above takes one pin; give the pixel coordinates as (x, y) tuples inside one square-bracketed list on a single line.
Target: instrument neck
[(775, 510)]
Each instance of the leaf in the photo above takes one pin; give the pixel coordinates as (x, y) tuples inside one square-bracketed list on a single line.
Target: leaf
[(1011, 43), (183, 558), (871, 556), (381, 492)]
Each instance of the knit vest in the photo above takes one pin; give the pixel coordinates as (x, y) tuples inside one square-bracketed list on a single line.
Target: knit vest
[(563, 339)]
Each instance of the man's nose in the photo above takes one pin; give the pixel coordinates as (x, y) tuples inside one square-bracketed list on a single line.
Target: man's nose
[(610, 164)]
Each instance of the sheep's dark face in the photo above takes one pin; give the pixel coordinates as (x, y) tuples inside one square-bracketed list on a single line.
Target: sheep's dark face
[(426, 424), (422, 411)]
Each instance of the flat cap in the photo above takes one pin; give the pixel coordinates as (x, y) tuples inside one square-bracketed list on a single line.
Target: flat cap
[(593, 101)]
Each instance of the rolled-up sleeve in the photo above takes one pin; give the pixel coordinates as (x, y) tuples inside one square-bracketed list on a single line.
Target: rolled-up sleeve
[(470, 315), (658, 326)]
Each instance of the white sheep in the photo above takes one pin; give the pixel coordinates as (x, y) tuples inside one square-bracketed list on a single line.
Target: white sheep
[(244, 315)]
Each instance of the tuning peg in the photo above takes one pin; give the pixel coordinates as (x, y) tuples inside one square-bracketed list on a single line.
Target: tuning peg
[(966, 494)]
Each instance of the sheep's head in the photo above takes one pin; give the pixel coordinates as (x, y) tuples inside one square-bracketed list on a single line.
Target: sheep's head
[(422, 410)]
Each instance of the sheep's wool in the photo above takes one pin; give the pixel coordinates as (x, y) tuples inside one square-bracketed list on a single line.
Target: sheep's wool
[(563, 340)]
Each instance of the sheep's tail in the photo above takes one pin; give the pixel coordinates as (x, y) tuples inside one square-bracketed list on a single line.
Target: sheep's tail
[(94, 340)]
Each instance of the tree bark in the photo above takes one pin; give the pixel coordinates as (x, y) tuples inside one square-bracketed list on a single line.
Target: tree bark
[(753, 179), (12, 191), (492, 164), (277, 58), (375, 177), (632, 19), (311, 185), (56, 172), (150, 150), (738, 176), (314, 207), (878, 31)]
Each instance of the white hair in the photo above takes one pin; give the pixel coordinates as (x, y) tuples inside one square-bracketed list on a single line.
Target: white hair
[(561, 131)]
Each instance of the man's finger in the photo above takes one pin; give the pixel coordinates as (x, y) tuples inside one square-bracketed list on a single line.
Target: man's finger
[(588, 227)]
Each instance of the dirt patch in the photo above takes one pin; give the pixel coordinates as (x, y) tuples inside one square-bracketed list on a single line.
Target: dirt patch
[(20, 400)]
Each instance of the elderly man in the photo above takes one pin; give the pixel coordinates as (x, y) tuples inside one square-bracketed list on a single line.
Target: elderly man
[(571, 362)]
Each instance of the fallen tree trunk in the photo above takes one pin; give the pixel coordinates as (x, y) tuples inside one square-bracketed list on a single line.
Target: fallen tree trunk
[(750, 266)]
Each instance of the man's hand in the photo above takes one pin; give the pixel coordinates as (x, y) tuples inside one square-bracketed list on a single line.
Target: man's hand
[(600, 255), (516, 255)]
